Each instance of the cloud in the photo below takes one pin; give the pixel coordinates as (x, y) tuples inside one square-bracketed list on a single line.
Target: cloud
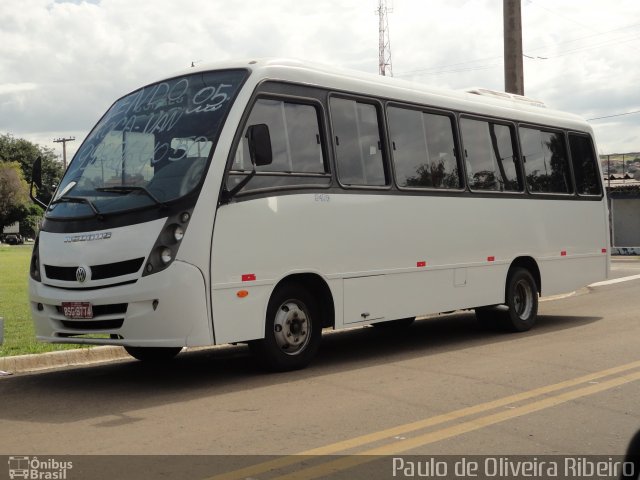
[(13, 88), (63, 62)]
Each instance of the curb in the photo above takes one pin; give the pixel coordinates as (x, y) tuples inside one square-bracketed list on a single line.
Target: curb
[(62, 358)]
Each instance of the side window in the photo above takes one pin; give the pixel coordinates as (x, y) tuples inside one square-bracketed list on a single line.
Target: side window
[(585, 167), (295, 138), (490, 160), (295, 142), (358, 145), (423, 149), (545, 161)]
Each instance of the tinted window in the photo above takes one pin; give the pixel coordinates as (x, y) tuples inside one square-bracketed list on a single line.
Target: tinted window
[(423, 149), (545, 161), (296, 144), (158, 138), (295, 138), (489, 156), (585, 168), (357, 140)]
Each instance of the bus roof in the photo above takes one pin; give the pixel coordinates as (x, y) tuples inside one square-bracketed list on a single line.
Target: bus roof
[(479, 101)]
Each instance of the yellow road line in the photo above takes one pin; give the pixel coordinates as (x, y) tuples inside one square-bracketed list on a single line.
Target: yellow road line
[(465, 412), (395, 448), (362, 440)]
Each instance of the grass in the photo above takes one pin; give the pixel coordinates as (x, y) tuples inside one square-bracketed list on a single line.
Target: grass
[(19, 335)]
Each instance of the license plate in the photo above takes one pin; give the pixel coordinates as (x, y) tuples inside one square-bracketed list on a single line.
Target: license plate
[(77, 310)]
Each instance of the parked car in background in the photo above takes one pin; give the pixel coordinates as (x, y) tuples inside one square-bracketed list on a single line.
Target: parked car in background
[(14, 239)]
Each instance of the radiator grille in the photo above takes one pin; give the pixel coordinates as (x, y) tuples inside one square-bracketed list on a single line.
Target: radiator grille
[(98, 272)]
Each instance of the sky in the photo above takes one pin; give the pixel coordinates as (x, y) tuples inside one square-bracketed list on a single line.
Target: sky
[(64, 62)]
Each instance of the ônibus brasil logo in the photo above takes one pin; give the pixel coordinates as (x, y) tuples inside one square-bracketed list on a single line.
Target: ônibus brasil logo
[(37, 469)]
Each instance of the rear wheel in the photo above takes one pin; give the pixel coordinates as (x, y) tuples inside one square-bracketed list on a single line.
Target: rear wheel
[(292, 331), (521, 301), (153, 354)]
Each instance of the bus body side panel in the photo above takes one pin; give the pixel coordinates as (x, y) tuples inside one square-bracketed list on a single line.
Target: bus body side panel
[(573, 227), (396, 255)]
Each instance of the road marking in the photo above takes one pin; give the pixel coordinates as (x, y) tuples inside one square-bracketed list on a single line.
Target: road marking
[(402, 430), (398, 447), (562, 296), (615, 280)]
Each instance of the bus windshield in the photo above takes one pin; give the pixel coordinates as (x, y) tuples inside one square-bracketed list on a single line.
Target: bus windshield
[(151, 147)]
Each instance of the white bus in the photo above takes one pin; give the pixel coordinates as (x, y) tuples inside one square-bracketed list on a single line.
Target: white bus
[(264, 201)]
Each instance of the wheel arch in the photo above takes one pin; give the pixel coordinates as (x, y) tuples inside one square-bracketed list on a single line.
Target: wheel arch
[(529, 264), (318, 287)]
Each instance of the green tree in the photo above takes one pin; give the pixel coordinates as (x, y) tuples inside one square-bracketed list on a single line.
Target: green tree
[(25, 153), (30, 224), (14, 194), (16, 159)]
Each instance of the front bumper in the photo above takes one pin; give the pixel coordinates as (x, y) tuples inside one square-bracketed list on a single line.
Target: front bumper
[(167, 309)]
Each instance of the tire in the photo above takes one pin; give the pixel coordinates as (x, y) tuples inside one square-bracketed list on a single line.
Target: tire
[(153, 354), (293, 329), (521, 300)]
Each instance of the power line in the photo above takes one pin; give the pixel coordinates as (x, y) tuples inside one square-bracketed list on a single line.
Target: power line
[(613, 116), (448, 68), (606, 32), (572, 20), (454, 70), (437, 69)]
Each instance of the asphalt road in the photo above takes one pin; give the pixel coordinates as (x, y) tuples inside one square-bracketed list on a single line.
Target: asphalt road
[(442, 386)]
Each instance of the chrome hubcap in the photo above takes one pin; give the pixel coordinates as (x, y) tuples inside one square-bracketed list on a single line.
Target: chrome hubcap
[(523, 299), (291, 327)]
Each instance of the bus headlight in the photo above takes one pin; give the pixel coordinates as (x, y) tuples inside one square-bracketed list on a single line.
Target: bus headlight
[(178, 233), (165, 250), (166, 255)]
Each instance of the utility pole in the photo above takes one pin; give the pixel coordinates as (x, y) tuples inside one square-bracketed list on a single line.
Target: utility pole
[(384, 43), (64, 141), (513, 70)]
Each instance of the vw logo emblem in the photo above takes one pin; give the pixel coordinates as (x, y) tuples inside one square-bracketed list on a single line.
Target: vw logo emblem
[(81, 274)]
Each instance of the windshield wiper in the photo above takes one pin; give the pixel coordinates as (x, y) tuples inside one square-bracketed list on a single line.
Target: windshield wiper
[(86, 201), (132, 188)]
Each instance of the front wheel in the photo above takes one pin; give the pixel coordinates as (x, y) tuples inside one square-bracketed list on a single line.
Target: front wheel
[(153, 354), (521, 301), (292, 330)]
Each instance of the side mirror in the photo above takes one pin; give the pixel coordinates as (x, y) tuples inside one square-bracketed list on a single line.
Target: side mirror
[(259, 145), (36, 173), (36, 179), (260, 153)]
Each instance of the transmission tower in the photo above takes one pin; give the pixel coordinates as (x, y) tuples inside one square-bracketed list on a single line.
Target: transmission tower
[(384, 43)]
